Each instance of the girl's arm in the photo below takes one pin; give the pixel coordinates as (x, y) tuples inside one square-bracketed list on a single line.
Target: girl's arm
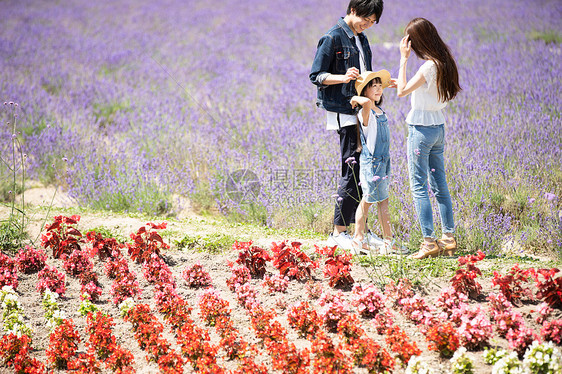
[(403, 87), (366, 104)]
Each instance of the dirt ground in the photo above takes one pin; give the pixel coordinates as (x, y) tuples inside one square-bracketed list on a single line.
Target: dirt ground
[(216, 265)]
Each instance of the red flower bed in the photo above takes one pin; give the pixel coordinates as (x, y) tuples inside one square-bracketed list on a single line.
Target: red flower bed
[(236, 318)]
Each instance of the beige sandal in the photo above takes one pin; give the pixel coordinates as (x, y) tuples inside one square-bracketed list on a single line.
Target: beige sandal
[(448, 245), (427, 250)]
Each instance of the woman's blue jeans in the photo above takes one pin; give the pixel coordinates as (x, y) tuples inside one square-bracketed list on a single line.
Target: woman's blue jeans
[(425, 163)]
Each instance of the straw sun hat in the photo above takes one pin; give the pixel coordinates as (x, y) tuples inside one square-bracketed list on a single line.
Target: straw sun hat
[(368, 76)]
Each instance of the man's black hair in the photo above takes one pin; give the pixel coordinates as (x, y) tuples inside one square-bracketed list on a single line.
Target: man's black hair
[(366, 8)]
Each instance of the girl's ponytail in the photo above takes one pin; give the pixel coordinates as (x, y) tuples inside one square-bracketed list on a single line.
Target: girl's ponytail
[(359, 144)]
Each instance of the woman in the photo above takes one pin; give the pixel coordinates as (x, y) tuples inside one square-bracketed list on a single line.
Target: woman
[(435, 83)]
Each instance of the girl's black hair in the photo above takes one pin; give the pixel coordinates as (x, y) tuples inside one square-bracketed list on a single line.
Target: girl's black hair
[(371, 82)]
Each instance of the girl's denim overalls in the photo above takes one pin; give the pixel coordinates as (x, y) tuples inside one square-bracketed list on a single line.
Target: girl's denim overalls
[(375, 168)]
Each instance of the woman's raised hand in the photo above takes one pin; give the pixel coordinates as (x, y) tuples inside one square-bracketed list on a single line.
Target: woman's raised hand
[(405, 47)]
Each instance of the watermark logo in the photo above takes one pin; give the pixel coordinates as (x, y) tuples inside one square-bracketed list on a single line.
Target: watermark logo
[(281, 186), (242, 186)]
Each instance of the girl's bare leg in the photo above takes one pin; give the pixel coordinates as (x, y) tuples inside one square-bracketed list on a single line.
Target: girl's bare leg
[(361, 219), (384, 219)]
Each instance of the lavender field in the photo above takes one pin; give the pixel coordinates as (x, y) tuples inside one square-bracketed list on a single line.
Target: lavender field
[(128, 104)]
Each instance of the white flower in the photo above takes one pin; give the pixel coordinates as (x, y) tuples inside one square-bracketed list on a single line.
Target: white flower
[(59, 314), (417, 366), (8, 289), (461, 363), (126, 305), (491, 356), (458, 353), (509, 364), (50, 296), (544, 358)]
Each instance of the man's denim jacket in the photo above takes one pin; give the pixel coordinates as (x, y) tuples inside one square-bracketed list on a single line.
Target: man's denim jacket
[(336, 53)]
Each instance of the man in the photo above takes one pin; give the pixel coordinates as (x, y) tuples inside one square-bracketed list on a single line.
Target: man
[(342, 54)]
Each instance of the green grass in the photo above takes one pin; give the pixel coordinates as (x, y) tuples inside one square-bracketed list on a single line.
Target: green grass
[(313, 217), (35, 128), (252, 212), (202, 199), (549, 36), (12, 235), (150, 199), (8, 190), (383, 269), (212, 243), (424, 273), (104, 113), (108, 232)]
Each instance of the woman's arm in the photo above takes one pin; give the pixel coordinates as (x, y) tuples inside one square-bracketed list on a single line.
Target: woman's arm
[(404, 87)]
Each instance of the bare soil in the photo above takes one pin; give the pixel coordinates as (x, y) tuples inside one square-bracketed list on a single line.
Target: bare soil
[(216, 265)]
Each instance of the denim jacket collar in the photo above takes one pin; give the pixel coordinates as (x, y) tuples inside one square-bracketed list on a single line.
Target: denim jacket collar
[(346, 28)]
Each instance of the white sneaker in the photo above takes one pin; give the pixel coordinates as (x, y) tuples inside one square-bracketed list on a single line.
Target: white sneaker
[(343, 240), (390, 247), (373, 241), (358, 248)]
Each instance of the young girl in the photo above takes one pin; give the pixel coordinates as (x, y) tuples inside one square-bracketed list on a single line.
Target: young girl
[(435, 83), (374, 172)]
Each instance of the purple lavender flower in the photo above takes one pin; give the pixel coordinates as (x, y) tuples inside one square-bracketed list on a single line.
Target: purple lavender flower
[(105, 89), (550, 196)]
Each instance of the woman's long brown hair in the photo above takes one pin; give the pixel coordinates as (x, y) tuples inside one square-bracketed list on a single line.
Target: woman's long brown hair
[(428, 45)]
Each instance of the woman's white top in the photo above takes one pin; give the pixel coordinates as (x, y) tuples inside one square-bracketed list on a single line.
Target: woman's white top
[(426, 107), (370, 131)]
